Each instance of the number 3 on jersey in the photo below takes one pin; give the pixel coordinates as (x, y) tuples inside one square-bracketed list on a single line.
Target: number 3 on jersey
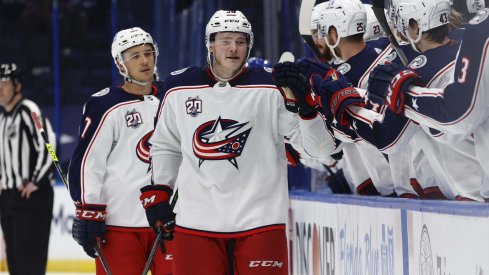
[(463, 71)]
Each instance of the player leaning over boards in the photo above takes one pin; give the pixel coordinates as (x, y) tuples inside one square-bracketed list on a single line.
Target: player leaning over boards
[(111, 161), (458, 108), (220, 139)]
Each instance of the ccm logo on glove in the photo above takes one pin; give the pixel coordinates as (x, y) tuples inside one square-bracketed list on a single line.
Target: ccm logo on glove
[(151, 198), (85, 214)]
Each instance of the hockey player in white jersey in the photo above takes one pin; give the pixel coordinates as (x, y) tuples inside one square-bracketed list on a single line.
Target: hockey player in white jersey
[(460, 107), (111, 162), (220, 139)]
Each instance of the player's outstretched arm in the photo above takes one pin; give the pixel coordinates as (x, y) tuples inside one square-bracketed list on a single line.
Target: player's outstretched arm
[(460, 107)]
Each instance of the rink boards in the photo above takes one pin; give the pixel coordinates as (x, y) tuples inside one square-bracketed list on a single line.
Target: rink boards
[(347, 235)]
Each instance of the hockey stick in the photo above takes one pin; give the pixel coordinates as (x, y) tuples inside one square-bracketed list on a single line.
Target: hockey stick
[(378, 8), (49, 147), (44, 136), (287, 57), (304, 25), (158, 238), (105, 265)]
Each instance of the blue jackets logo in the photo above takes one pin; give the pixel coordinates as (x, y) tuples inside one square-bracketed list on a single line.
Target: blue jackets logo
[(142, 149), (220, 139)]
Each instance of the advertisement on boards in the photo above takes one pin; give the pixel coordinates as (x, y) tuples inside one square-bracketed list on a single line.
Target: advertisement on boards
[(312, 237), (369, 241), (447, 244)]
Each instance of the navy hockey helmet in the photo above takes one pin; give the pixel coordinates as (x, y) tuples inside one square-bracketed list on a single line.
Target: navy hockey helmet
[(11, 72)]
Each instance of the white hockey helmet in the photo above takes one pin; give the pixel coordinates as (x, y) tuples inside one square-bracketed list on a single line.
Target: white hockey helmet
[(429, 14), (373, 29), (126, 39), (228, 21), (347, 16), (468, 6), (316, 14)]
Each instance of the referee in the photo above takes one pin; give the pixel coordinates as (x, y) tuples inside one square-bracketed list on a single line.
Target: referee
[(26, 177)]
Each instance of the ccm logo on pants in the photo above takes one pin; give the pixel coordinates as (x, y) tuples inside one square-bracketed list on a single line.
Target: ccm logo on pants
[(266, 264)]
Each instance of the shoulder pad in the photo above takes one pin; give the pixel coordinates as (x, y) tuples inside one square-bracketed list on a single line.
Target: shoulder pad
[(101, 93), (177, 72), (479, 17)]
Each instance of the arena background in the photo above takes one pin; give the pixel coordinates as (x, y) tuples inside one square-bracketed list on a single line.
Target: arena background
[(64, 46)]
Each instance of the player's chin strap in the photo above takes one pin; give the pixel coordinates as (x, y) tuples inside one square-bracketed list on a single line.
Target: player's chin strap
[(414, 41), (132, 80), (333, 47)]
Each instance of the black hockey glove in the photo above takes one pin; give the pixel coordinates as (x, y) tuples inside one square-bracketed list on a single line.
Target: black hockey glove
[(89, 226), (288, 74), (156, 203), (389, 82), (309, 67), (293, 157), (338, 94), (338, 183)]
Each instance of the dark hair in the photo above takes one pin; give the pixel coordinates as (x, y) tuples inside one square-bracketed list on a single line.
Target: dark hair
[(356, 38), (438, 34)]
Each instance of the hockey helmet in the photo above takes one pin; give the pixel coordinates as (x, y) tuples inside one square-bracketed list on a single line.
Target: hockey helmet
[(126, 39), (429, 14), (228, 21), (11, 72), (316, 14), (347, 16), (373, 29)]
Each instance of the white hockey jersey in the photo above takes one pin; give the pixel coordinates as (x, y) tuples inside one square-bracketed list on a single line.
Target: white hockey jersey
[(111, 161), (222, 145)]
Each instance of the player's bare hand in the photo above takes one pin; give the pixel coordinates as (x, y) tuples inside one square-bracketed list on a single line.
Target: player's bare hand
[(28, 189)]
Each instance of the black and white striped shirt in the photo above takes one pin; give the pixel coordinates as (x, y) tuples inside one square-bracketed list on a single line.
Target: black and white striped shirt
[(23, 154)]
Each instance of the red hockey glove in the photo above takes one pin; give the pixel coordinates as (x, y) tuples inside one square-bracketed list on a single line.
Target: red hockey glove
[(388, 83), (338, 94), (89, 226), (156, 203)]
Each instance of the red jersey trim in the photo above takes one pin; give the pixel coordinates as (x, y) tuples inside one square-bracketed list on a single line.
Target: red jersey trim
[(229, 234)]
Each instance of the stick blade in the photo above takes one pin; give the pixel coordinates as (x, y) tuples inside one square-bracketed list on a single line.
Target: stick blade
[(305, 16), (286, 56)]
